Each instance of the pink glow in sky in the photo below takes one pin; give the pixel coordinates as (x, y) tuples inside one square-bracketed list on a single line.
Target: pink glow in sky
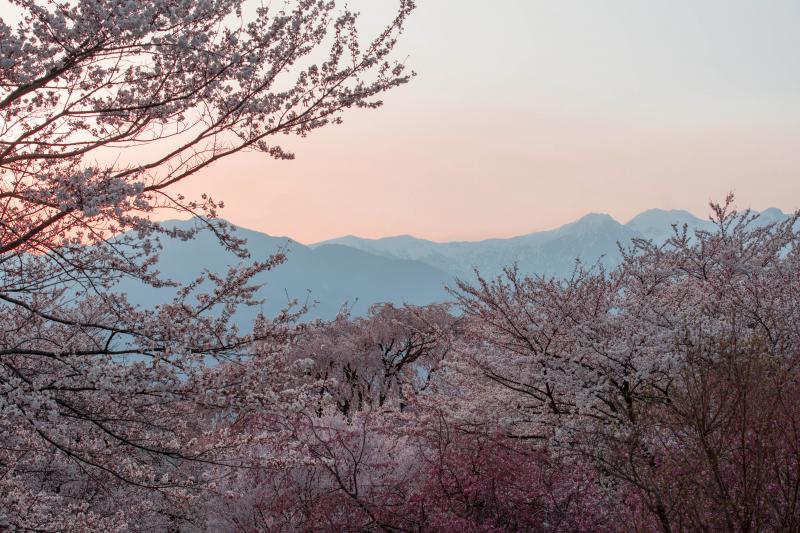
[(529, 114)]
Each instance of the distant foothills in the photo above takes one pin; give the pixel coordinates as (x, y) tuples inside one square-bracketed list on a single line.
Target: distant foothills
[(356, 272)]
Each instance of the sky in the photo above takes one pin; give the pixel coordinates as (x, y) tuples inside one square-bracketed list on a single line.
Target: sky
[(528, 114)]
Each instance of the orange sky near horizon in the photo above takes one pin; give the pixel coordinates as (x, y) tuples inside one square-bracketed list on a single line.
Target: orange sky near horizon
[(383, 175), (528, 114)]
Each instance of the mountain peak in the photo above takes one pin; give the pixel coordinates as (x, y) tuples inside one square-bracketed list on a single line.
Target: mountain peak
[(592, 221), (596, 217), (656, 224), (773, 212), (658, 212), (662, 217), (403, 237)]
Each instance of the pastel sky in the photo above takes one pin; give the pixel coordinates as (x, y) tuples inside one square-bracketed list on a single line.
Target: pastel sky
[(528, 114)]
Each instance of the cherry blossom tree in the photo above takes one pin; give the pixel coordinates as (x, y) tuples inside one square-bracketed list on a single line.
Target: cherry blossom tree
[(384, 470), (371, 455), (658, 396), (103, 107), (379, 359), (355, 461), (730, 435), (664, 372)]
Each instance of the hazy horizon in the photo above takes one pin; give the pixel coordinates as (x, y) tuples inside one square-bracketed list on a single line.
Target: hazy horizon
[(622, 222), (527, 115)]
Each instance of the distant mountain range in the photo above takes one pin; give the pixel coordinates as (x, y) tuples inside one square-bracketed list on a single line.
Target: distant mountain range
[(328, 276), (404, 269), (590, 239)]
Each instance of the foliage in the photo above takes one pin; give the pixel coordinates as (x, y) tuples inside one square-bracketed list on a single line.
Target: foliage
[(103, 107), (675, 374)]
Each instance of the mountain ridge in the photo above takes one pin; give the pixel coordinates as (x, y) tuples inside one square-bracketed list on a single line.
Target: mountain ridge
[(591, 239), (401, 269), (583, 219)]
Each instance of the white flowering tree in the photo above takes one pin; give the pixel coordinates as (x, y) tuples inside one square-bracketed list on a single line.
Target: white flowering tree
[(675, 374), (364, 363), (104, 105)]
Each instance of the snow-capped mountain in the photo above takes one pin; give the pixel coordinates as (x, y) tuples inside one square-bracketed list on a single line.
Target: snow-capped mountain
[(657, 224), (591, 239)]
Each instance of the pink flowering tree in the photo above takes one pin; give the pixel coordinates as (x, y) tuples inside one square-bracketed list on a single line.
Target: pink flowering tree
[(673, 374), (353, 461), (390, 438), (378, 360), (103, 107)]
